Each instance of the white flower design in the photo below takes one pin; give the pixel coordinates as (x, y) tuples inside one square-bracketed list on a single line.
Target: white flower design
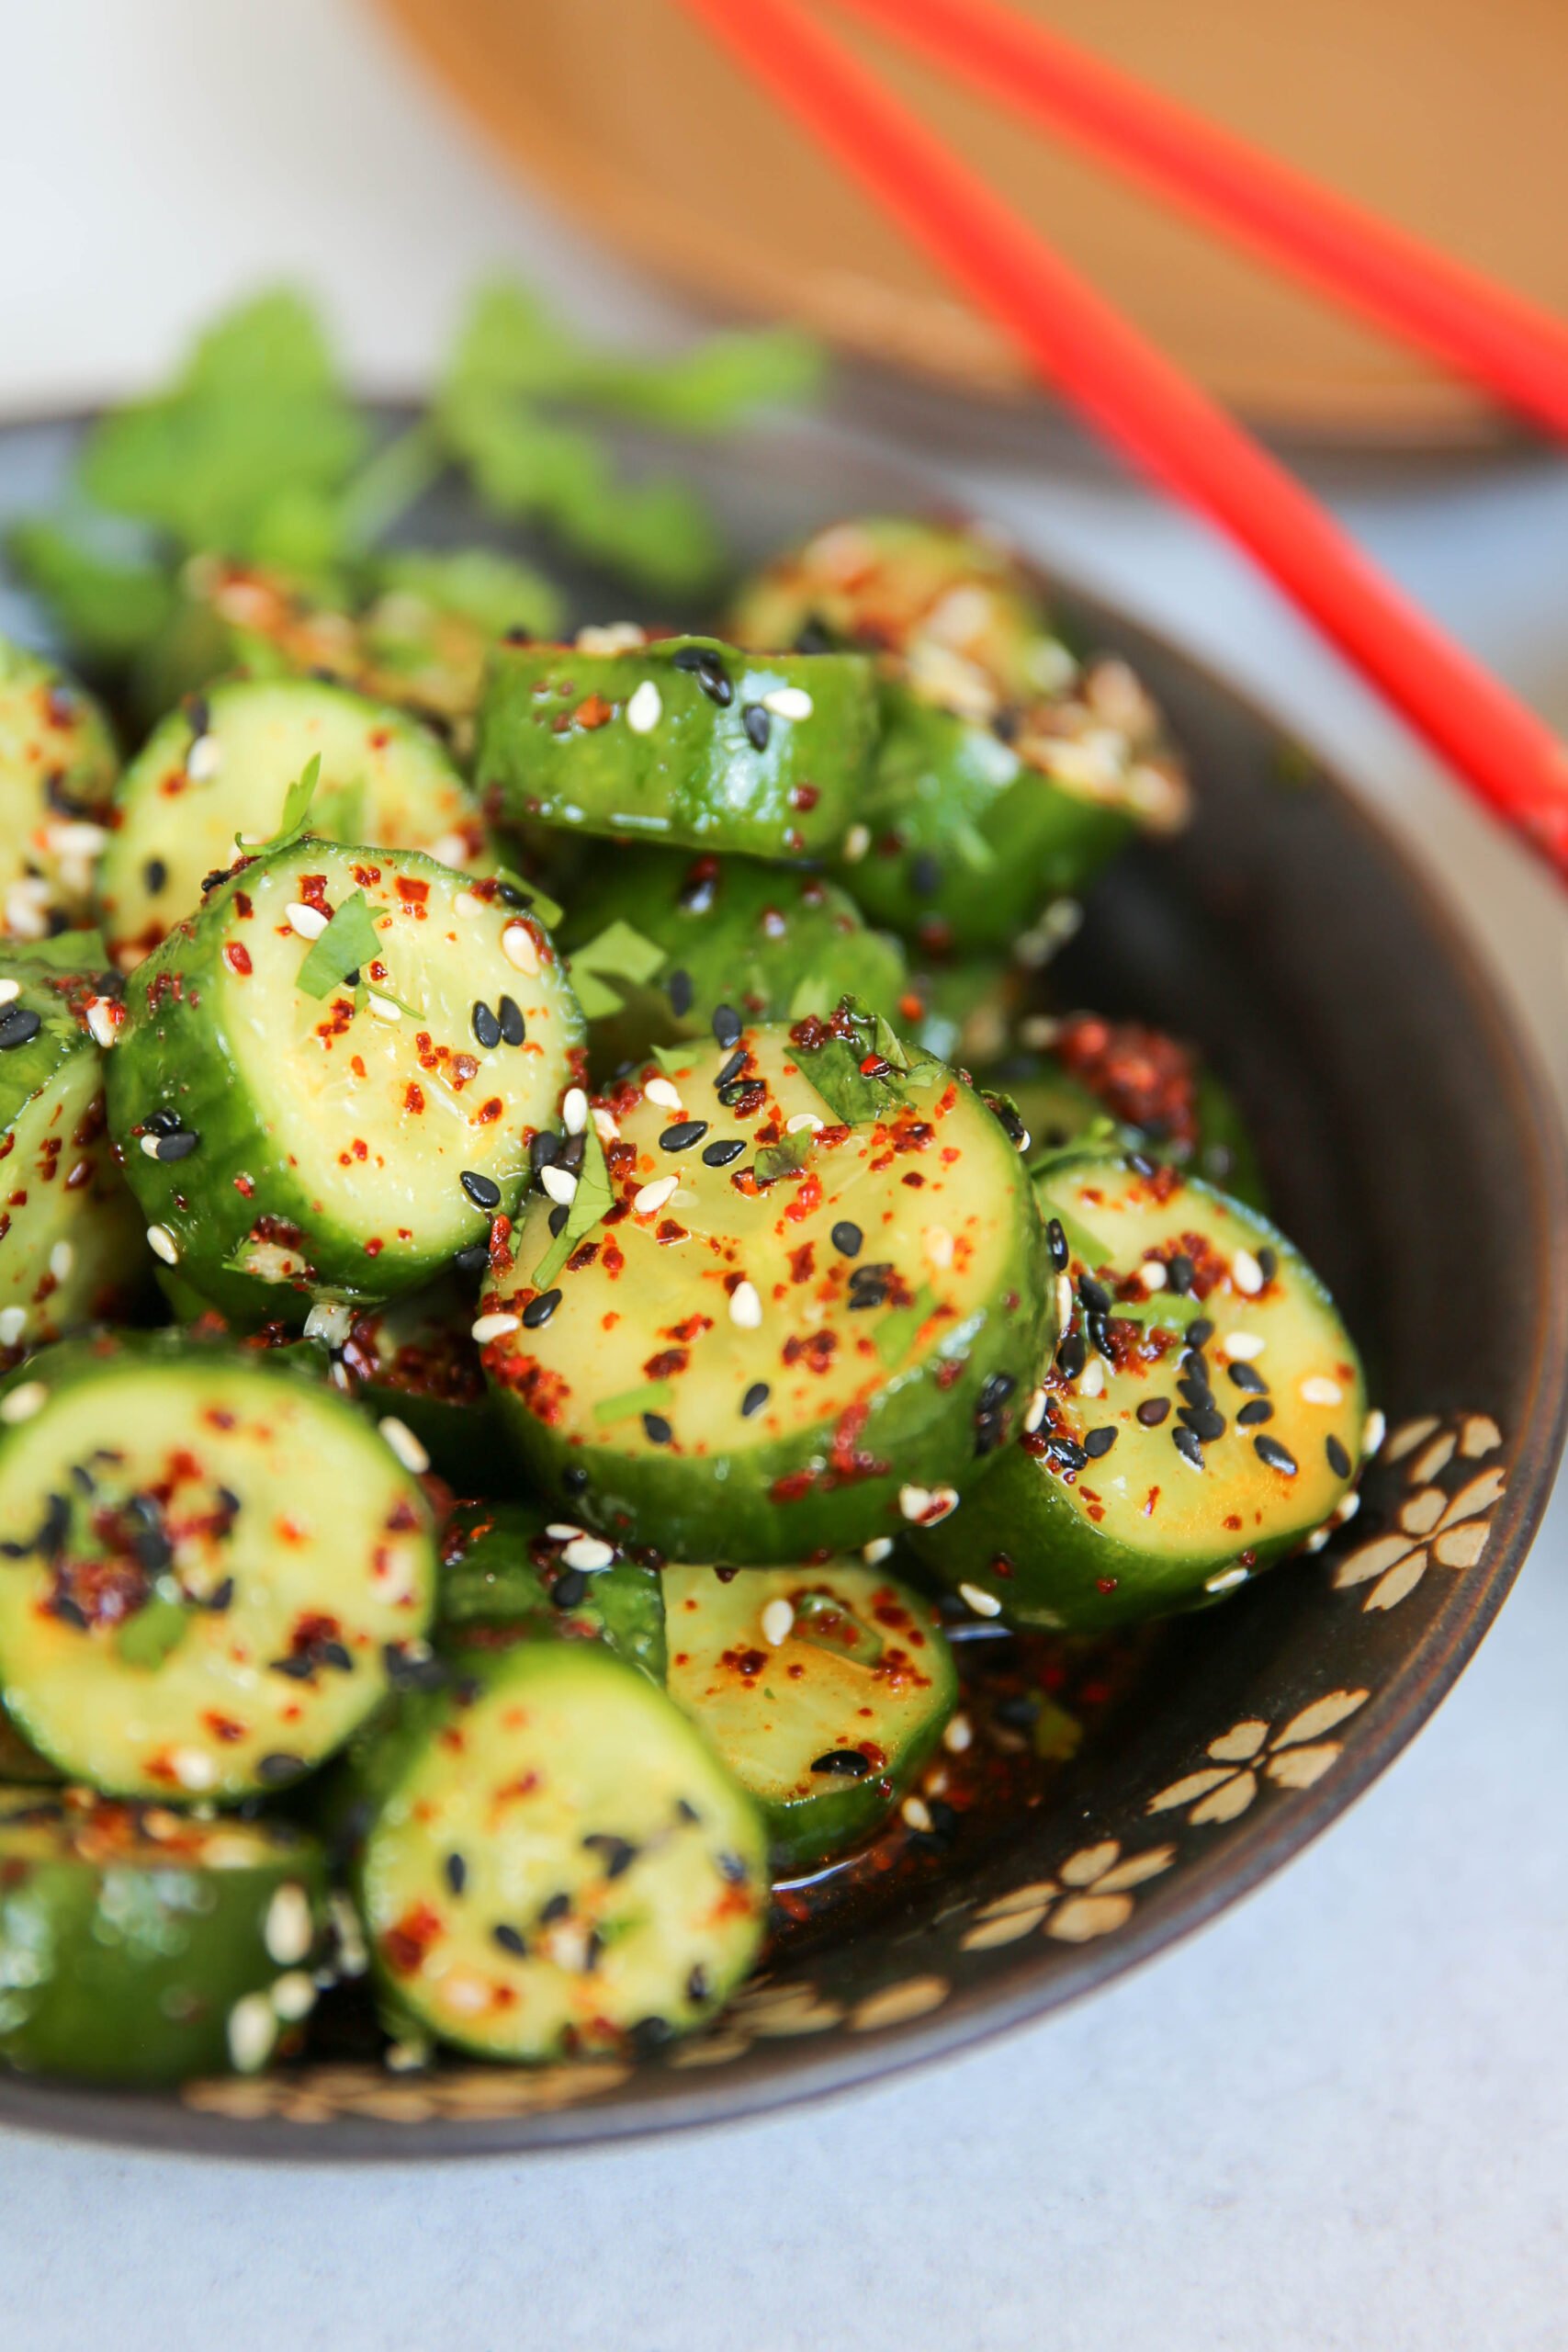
[(1091, 1895), (1433, 1525), (1250, 1753)]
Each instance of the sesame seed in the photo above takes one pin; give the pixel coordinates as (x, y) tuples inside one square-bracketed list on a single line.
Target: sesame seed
[(645, 707), (62, 1259), (1372, 1434), (9, 991), (788, 702), (1152, 1273), (801, 1121), (1225, 1578), (1154, 1410), (13, 1323), (660, 1091), (588, 1554), (149, 1146), (1242, 1375), (1099, 1441), (727, 1026), (193, 1768), (252, 2028), (18, 1027), (204, 759), (1241, 1346), (650, 1198), (604, 1125), (937, 1243), (1269, 1450), (517, 946), (482, 1189), (539, 1309), (1320, 1390), (289, 1930), (657, 1429), (104, 1018), (915, 1815), (512, 1027), (293, 1996), (720, 1154), (857, 841), (464, 905), (574, 1111), (984, 1604), (1189, 1447), (684, 1134), (381, 1007), (162, 1243), (1034, 1412), (847, 1238), (758, 726), (563, 1530), (847, 1763), (1091, 1380), (23, 1402), (308, 921), (559, 1184), (778, 1623), (486, 1028), (879, 1549), (510, 1939), (746, 1307), (493, 1327), (1064, 1301), (958, 1735), (927, 1506), (404, 1444), (1246, 1273), (756, 1396), (1338, 1460), (1259, 1410)]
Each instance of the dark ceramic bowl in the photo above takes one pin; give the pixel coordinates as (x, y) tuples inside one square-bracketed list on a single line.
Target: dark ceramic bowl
[(1414, 1153)]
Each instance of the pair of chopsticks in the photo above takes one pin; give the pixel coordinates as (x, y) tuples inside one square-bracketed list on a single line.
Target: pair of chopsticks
[(1123, 385)]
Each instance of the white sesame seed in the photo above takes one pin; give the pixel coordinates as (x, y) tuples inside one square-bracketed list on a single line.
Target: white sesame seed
[(611, 637), (778, 1621), (61, 1258), (382, 1006), (253, 2026), (1345, 1510), (308, 921), (204, 759), (567, 1945), (162, 1243), (915, 1815), (1152, 1273), (801, 1121), (468, 1994), (450, 850), (23, 1402), (650, 1198), (26, 908), (1373, 1434), (288, 1931), (563, 1530), (1091, 1379), (1319, 1537), (876, 1551), (466, 905), (1225, 1578), (293, 1996), (958, 1735), (937, 1243), (645, 708), (404, 1444), (517, 946), (149, 1146), (857, 841), (746, 1307), (493, 1327), (589, 1553), (660, 1091), (559, 1184), (1242, 1346), (13, 1323), (984, 1604), (788, 702), (406, 2057), (1320, 1390), (1246, 1273), (604, 1126), (574, 1111), (914, 1501), (193, 1768), (9, 991), (103, 1020), (330, 1319), (353, 1957), (1064, 1302), (1034, 1412)]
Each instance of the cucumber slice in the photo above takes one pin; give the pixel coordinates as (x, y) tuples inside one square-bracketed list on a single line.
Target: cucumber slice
[(207, 1557), (71, 1246), (560, 1865), (1189, 1433), (57, 772), (509, 1573), (223, 764), (140, 1947), (786, 1337), (964, 1013), (683, 739), (1005, 776), (416, 1358), (347, 1137), (823, 1689), (771, 943)]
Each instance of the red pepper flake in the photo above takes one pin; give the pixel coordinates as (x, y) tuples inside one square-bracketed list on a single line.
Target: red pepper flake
[(594, 711), (238, 957), (403, 1946), (414, 1097)]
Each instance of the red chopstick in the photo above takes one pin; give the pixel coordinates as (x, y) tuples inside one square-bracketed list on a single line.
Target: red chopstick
[(1482, 330), (1149, 409)]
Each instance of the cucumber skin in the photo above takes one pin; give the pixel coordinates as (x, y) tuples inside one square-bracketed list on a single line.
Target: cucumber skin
[(80, 763), (1058, 1109), (695, 778), (139, 1996), (490, 1588), (932, 767)]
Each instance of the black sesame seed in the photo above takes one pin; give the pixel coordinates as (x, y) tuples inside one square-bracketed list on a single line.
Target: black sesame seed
[(1205, 1423), (758, 724), (848, 1762), (480, 1190), (198, 714), (456, 1872), (698, 1987), (1019, 1712), (732, 1067), (925, 875), (1259, 1410), (727, 1025), (1195, 1391), (1268, 1263), (1199, 1332), (720, 1154), (1269, 1450), (539, 1309), (1153, 1411), (708, 671), (163, 1122), (683, 1135), (1098, 1330), (178, 1147), (222, 1597), (732, 1868), (569, 1589), (18, 1027), (1099, 1441), (574, 1478), (1178, 1273), (812, 637), (155, 876), (278, 1769), (1338, 1460), (335, 1655), (1188, 1446), (1066, 1454), (486, 1028), (847, 1238), (510, 896), (657, 1429), (510, 1939), (1073, 1354), (1095, 1297), (756, 1396), (679, 990), (557, 1221), (1057, 1242), (545, 1150), (650, 2034), (67, 1610), (572, 1154), (1243, 1377), (473, 1260), (508, 1017), (617, 1854), (996, 1391), (555, 1908)]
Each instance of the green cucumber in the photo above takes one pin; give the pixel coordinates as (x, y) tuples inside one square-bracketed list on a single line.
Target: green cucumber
[(415, 1357), (142, 1947), (824, 1690), (70, 1247), (964, 1013), (509, 1573), (1005, 774), (209, 1557), (807, 1314), (56, 770), (772, 943), (349, 1137), (223, 764), (558, 1865), (1197, 1421), (681, 740)]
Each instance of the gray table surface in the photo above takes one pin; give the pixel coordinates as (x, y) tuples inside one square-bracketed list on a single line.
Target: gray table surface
[(1339, 2117)]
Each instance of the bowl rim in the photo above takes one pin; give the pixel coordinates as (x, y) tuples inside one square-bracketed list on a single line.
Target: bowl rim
[(159, 2122)]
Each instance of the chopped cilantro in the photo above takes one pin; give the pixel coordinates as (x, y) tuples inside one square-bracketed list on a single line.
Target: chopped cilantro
[(651, 1399), (296, 810), (618, 953), (153, 1633), (348, 941), (588, 1202)]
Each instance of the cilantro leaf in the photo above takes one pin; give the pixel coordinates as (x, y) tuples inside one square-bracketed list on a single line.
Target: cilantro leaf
[(67, 951), (619, 952), (861, 1076), (588, 1202), (348, 941), (784, 1158), (652, 1398), (297, 803), (153, 1632), (106, 606)]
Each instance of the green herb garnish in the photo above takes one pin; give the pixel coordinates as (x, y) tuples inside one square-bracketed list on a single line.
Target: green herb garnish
[(153, 1633), (651, 1399), (784, 1158), (348, 942), (295, 812), (897, 1331), (587, 1206), (618, 953)]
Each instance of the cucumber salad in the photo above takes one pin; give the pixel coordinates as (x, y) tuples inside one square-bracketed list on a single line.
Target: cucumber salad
[(586, 1353)]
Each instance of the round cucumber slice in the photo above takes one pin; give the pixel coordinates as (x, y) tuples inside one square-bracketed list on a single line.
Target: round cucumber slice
[(328, 1078), (142, 1947), (56, 770), (416, 1358), (771, 943), (682, 740), (807, 1316), (560, 1865), (1203, 1412), (824, 1690), (510, 1572), (209, 1556), (224, 764)]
